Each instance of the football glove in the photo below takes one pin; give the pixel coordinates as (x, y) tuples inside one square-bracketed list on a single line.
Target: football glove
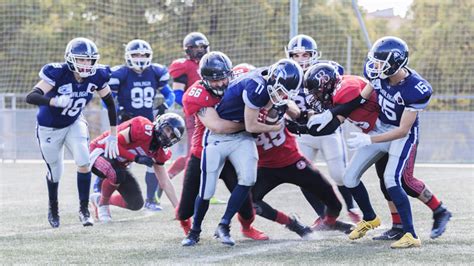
[(323, 119), (145, 160), (111, 149), (358, 140), (61, 101)]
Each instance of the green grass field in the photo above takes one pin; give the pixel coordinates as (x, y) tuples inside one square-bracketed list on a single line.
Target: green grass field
[(151, 238)]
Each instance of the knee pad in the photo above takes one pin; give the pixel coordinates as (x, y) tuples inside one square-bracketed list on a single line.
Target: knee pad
[(350, 181), (136, 204)]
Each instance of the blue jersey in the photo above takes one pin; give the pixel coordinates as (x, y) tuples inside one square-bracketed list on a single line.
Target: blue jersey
[(413, 93), (136, 91), (250, 90), (63, 81)]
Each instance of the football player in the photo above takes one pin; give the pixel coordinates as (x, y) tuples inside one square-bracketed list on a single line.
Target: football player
[(241, 102), (140, 141), (199, 101), (136, 85), (304, 50), (62, 93), (184, 72), (364, 117), (401, 94)]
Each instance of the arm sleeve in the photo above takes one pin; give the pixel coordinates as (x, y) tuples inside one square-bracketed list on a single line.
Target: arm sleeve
[(347, 108), (169, 95), (36, 97), (111, 111), (179, 97)]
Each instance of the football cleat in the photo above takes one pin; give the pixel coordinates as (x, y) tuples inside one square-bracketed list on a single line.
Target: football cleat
[(85, 216), (254, 234), (440, 221), (296, 226), (391, 234), (321, 225), (216, 201), (53, 216), (354, 215), (223, 234), (363, 226), (192, 239), (101, 212), (407, 241), (153, 206)]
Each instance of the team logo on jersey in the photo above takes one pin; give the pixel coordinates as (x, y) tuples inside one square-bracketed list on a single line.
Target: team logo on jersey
[(301, 165), (398, 98), (91, 88), (65, 89)]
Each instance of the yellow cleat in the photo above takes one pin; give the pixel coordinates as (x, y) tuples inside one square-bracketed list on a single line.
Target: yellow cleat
[(216, 201), (407, 241), (363, 226)]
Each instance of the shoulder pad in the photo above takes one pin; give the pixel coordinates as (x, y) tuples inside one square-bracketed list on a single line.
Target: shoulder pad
[(52, 72), (195, 98), (177, 67), (161, 72)]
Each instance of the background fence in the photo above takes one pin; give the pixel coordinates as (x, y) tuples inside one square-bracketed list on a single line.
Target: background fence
[(439, 34)]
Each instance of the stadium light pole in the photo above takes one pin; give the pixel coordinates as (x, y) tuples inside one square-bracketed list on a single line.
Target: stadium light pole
[(294, 11), (355, 6)]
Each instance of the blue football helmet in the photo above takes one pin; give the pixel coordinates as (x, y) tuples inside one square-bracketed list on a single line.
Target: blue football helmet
[(138, 47), (303, 44), (168, 130), (196, 45), (321, 80), (388, 55), (284, 81), (82, 48), (215, 66)]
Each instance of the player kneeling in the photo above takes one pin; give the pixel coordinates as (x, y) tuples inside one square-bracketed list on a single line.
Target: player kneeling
[(139, 141)]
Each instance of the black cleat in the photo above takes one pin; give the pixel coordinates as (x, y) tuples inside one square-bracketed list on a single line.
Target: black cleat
[(84, 215), (441, 219), (223, 233), (192, 239), (393, 233), (296, 226), (53, 216)]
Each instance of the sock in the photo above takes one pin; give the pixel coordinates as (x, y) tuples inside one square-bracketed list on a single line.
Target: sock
[(107, 189), (433, 203), (52, 190), (396, 220), (245, 223), (159, 192), (177, 166), (97, 184), (186, 225), (84, 185), (117, 200), (318, 206), (330, 220), (400, 199), (200, 209), (151, 185), (282, 218), (362, 198), (347, 196), (237, 198)]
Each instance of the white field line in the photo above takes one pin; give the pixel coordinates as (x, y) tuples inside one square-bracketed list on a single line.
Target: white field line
[(423, 165), (48, 229)]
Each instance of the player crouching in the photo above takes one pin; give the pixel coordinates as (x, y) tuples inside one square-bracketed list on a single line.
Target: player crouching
[(139, 141)]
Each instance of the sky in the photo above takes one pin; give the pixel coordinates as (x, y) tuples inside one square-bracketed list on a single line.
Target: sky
[(400, 6)]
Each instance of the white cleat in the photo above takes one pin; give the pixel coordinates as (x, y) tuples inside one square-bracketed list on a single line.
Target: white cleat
[(101, 212)]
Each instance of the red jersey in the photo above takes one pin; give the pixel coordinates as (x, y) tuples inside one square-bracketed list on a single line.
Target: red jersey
[(141, 134), (185, 67), (194, 99), (364, 116), (277, 149)]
